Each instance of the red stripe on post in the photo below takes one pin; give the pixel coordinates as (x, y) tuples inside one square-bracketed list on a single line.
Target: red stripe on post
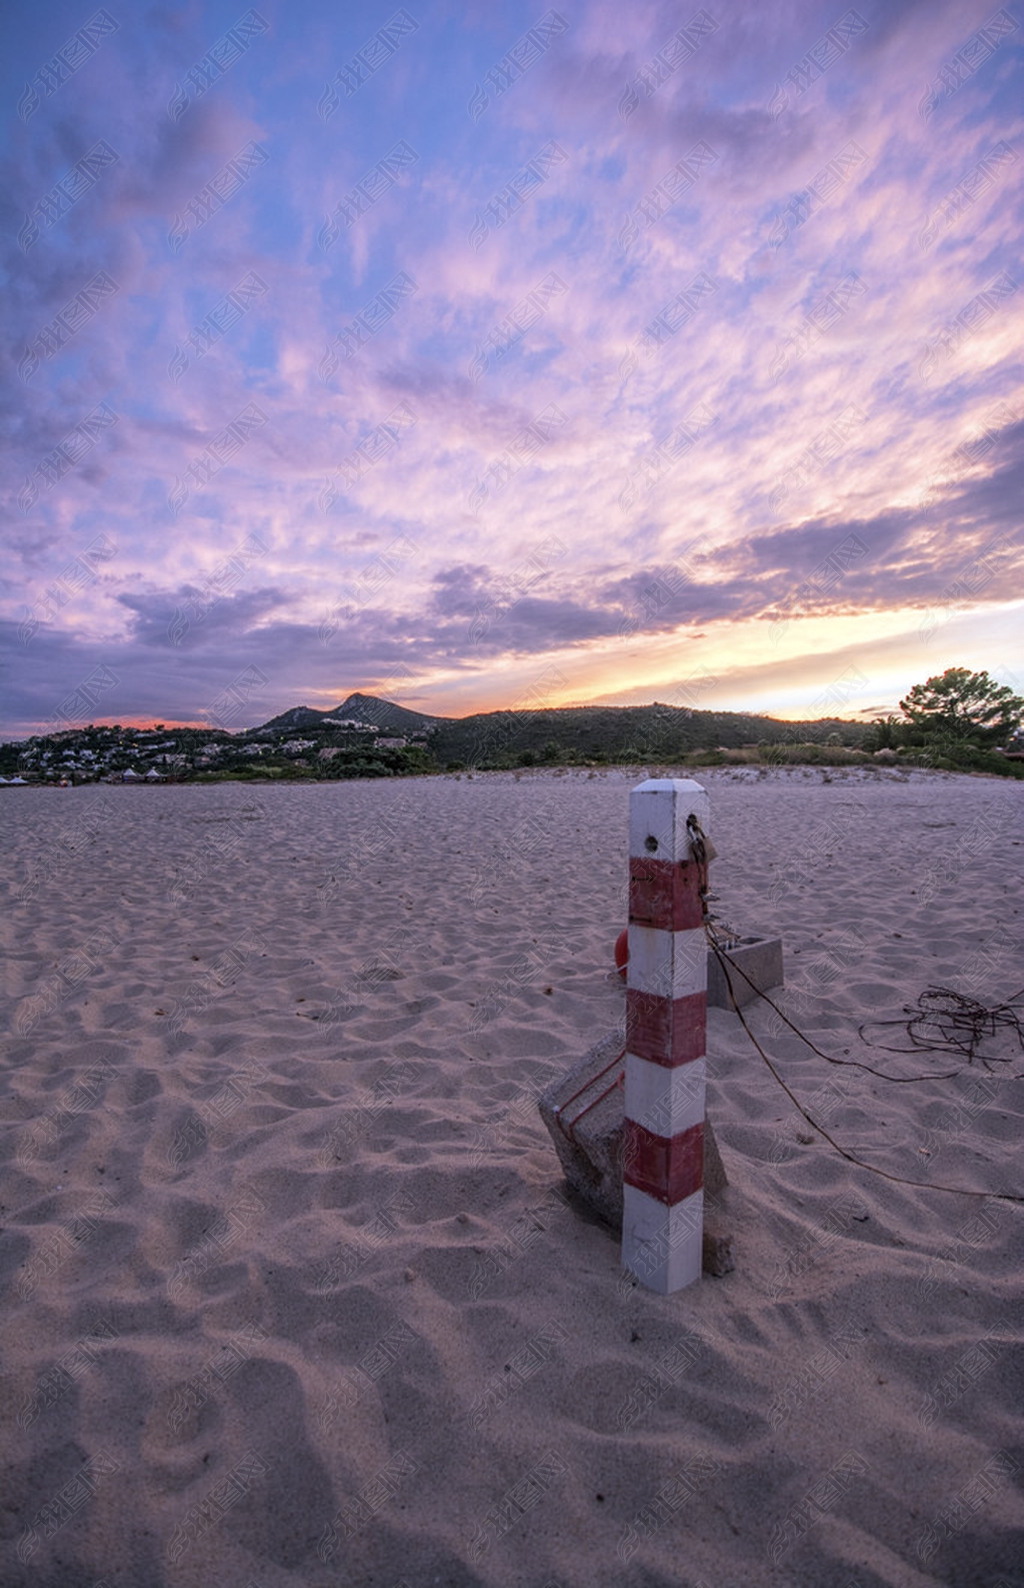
[(665, 893), (668, 1031), (668, 1168)]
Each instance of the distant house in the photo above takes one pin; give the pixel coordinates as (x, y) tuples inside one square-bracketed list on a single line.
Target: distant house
[(389, 744)]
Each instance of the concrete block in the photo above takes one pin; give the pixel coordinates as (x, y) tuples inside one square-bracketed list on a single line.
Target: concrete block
[(760, 960), (717, 1248), (583, 1111)]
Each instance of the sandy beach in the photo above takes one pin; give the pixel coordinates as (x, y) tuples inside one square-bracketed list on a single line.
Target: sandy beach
[(292, 1290)]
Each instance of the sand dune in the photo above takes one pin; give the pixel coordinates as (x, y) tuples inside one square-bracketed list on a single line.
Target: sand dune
[(293, 1293)]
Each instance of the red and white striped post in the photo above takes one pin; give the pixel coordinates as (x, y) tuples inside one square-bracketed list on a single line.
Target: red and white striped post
[(666, 1010)]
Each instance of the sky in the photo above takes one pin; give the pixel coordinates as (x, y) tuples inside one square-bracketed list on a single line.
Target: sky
[(484, 356)]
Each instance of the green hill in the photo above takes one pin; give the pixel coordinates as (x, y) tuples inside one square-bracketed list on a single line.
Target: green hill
[(619, 733)]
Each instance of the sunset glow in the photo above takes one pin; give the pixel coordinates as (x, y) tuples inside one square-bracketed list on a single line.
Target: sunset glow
[(489, 355)]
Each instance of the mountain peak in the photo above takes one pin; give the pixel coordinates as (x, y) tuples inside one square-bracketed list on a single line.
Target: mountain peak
[(385, 713), (359, 708)]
